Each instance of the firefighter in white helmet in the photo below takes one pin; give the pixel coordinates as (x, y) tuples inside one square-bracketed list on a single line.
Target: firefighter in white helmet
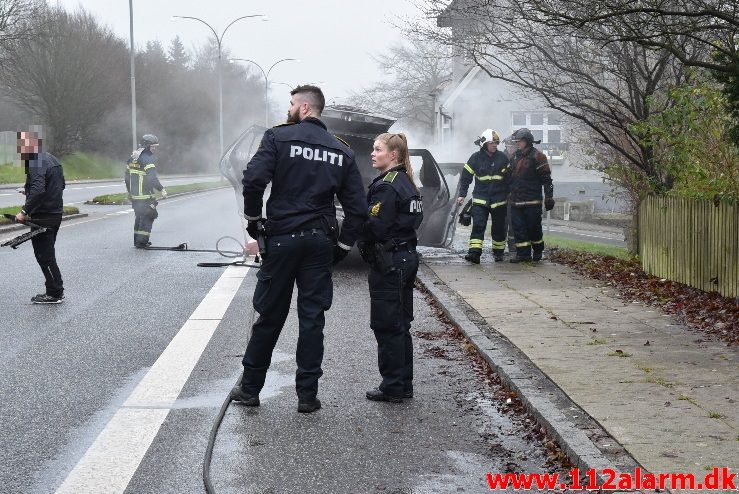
[(490, 168)]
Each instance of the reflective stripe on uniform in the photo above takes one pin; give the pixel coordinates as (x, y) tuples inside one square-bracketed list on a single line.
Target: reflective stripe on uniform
[(499, 245), (487, 178), (498, 204), (523, 244), (469, 169), (141, 232), (480, 201), (149, 166), (537, 241), (527, 203), (474, 242)]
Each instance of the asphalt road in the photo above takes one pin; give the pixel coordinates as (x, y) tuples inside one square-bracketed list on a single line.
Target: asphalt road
[(68, 373), (76, 194)]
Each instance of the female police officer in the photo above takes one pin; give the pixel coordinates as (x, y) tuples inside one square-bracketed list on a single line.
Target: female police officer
[(389, 245)]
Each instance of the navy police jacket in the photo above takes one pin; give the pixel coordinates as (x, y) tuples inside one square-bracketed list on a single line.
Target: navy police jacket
[(492, 178), (395, 208), (44, 186), (141, 175), (307, 167), (531, 172)]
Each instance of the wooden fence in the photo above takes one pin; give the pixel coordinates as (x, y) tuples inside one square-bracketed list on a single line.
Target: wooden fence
[(692, 242)]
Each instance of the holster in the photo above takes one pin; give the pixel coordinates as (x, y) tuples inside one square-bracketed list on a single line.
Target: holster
[(378, 256), (383, 259)]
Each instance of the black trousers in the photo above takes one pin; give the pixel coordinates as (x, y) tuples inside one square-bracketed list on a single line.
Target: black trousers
[(391, 313), (303, 258), (45, 252), (527, 230), (480, 215), (146, 212)]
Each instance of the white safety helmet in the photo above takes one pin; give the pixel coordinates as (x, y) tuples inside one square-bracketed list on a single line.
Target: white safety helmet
[(488, 135)]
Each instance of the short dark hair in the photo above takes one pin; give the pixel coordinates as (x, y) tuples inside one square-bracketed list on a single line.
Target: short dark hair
[(315, 96)]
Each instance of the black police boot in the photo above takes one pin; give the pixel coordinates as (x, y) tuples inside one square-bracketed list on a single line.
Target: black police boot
[(536, 256), (517, 259), (473, 257), (246, 399), (378, 395), (309, 406)]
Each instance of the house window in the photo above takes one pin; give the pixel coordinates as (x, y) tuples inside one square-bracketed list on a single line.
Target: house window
[(546, 126)]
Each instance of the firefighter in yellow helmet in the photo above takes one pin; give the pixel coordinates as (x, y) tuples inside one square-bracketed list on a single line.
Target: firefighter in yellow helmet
[(490, 169)]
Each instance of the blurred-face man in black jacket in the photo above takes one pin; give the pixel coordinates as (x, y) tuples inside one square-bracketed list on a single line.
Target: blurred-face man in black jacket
[(43, 190)]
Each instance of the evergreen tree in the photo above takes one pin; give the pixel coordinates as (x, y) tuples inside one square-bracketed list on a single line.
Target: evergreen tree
[(177, 54)]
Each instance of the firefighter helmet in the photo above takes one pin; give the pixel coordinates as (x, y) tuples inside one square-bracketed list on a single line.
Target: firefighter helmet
[(523, 134), (488, 135), (149, 139)]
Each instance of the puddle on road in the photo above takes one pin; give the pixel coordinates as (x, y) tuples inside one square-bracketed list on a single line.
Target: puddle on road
[(219, 389)]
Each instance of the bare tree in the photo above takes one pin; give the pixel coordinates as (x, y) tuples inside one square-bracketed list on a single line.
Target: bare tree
[(666, 25), (412, 72), (70, 78), (17, 21), (603, 88), (660, 24)]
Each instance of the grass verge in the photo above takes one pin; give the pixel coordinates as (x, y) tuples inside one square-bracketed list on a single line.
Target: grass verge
[(15, 209), (77, 166), (582, 246), (112, 199)]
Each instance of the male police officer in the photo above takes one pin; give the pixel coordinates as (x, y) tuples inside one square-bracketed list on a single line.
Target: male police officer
[(489, 166), (307, 167), (141, 181), (530, 173)]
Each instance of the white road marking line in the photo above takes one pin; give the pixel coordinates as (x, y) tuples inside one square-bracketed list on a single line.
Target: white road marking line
[(112, 460)]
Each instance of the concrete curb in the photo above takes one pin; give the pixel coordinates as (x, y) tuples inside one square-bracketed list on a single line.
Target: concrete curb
[(541, 397), (12, 228), (170, 196)]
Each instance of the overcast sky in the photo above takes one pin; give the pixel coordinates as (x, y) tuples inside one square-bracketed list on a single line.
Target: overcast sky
[(332, 38)]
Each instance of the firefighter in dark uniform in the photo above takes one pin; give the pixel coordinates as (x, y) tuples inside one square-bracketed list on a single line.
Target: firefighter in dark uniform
[(141, 182), (307, 167), (389, 245), (530, 173), (490, 168)]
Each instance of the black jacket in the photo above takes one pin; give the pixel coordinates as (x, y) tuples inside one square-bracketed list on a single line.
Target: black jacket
[(492, 178), (141, 175), (531, 172), (44, 187), (394, 207), (307, 167)]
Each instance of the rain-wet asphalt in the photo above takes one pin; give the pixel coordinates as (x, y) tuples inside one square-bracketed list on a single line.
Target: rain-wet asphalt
[(65, 369)]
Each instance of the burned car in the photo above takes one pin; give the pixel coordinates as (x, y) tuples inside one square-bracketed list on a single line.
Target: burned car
[(359, 129)]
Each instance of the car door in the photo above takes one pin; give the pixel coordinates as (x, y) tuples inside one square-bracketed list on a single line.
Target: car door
[(439, 207)]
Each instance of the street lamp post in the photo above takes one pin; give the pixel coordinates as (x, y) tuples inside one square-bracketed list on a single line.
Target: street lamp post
[(133, 78), (219, 41), (266, 81)]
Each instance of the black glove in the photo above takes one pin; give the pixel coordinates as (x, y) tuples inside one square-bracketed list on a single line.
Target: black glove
[(252, 227), (548, 203), (339, 254)]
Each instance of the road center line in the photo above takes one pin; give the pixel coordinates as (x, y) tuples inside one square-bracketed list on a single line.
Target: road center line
[(112, 460)]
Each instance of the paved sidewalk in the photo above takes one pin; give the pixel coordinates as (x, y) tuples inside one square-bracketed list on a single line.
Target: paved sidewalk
[(663, 393)]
